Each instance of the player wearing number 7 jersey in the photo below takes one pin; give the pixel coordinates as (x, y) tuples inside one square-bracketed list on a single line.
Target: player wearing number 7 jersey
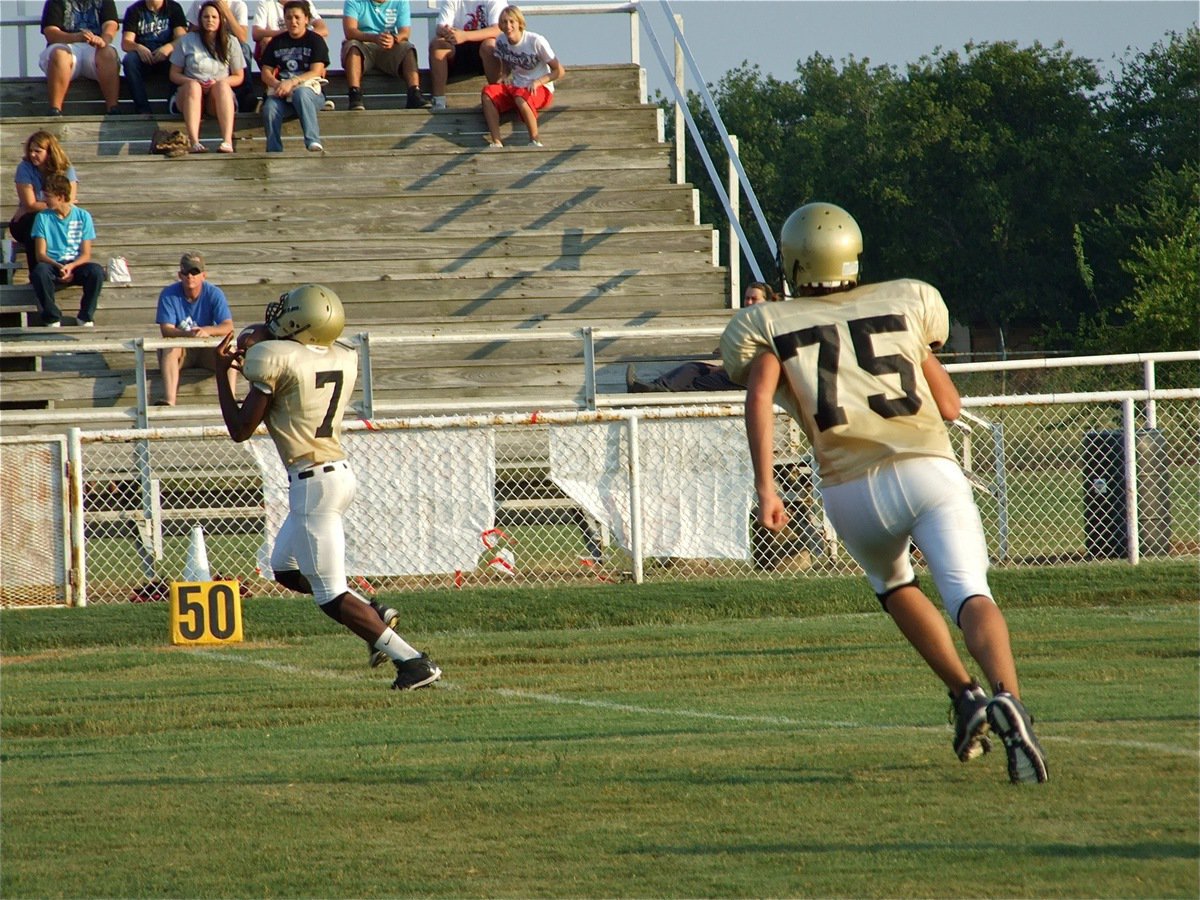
[(301, 380), (854, 366)]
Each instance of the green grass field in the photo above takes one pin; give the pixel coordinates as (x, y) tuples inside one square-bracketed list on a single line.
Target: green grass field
[(738, 739)]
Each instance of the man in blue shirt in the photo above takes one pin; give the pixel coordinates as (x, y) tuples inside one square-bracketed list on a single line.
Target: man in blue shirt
[(62, 246), (191, 307)]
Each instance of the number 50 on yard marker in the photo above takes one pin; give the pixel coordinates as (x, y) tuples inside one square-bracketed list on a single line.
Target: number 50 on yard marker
[(206, 612)]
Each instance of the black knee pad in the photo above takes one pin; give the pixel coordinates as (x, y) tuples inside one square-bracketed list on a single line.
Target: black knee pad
[(294, 580), (883, 598)]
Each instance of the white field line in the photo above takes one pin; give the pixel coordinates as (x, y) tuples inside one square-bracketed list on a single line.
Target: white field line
[(608, 706)]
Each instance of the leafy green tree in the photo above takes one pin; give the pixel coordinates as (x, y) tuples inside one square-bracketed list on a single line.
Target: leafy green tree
[(1162, 310), (1142, 242), (1031, 191), (1001, 163)]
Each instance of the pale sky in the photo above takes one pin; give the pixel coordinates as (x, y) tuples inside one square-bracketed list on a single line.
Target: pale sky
[(777, 33)]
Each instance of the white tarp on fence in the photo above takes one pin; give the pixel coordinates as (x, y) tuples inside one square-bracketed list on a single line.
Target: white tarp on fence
[(428, 498), (696, 495)]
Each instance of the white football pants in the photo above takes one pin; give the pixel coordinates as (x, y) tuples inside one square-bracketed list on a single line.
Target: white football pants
[(312, 537), (923, 498)]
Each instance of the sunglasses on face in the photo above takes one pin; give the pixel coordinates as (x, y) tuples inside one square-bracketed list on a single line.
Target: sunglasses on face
[(192, 271)]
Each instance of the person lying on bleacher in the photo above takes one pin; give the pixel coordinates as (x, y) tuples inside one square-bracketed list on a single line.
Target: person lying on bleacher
[(62, 241), (699, 376), (79, 44)]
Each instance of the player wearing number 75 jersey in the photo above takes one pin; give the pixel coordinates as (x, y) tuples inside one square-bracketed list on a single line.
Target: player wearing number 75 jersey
[(301, 380), (853, 365)]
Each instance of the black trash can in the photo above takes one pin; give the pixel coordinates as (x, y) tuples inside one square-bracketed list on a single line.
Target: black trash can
[(1103, 466)]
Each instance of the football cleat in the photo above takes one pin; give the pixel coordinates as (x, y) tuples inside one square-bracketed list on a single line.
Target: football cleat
[(969, 714), (390, 619), (1009, 721), (415, 673)]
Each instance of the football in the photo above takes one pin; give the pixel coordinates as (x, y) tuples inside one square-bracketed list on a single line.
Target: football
[(251, 335)]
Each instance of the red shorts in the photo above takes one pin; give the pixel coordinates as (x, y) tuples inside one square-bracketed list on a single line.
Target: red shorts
[(502, 95)]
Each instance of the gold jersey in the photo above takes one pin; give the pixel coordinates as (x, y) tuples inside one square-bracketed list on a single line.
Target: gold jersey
[(310, 387), (852, 366)]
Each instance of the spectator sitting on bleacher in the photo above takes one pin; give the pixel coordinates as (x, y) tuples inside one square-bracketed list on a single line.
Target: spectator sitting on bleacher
[(191, 307), (528, 70), (268, 23), (293, 67), (148, 36), (465, 42), (207, 66), (79, 36), (377, 36), (237, 19), (62, 242), (699, 376), (43, 156)]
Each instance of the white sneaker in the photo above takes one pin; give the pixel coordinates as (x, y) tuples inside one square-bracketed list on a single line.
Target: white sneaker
[(315, 147), (439, 102), (536, 143), (328, 105), (54, 324), (88, 324)]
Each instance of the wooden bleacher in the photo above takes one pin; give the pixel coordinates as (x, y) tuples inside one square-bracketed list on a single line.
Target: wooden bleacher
[(408, 216)]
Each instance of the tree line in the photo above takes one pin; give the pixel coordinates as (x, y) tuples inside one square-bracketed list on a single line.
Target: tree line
[(1042, 197)]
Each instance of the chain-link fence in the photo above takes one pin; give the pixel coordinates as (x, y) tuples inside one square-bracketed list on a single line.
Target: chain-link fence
[(598, 497)]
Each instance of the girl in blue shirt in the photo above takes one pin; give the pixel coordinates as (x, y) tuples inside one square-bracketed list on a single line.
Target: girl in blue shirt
[(43, 156)]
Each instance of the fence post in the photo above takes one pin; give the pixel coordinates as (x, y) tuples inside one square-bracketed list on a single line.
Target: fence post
[(1001, 488), (143, 391), (368, 377), (735, 248), (635, 47), (1148, 382), (680, 140), (1129, 437), (77, 550), (635, 501), (589, 366)]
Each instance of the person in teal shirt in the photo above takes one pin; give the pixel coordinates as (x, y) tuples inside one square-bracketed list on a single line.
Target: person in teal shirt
[(62, 240), (378, 36)]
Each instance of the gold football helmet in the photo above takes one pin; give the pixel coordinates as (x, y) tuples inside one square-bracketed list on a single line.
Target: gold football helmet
[(310, 314), (819, 245)]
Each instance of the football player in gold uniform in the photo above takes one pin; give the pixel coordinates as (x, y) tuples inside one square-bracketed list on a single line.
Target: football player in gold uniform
[(854, 366), (301, 380)]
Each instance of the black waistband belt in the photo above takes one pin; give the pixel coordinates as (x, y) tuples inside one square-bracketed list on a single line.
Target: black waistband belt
[(313, 470)]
